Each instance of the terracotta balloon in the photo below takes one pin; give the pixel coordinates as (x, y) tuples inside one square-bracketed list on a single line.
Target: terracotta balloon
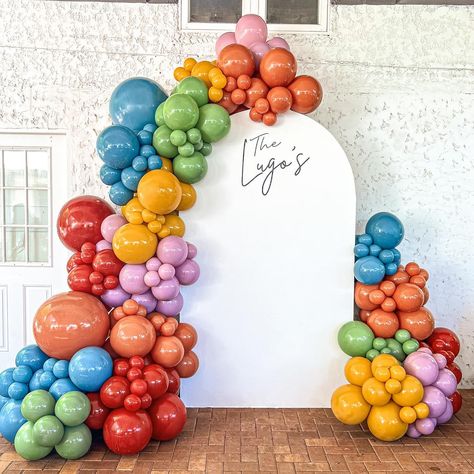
[(361, 296), (187, 335), (307, 94), (278, 67), (383, 324), (188, 366), (401, 276), (132, 335), (68, 322), (159, 191), (280, 99), (257, 90), (168, 351), (420, 323), (408, 297), (80, 219), (227, 103), (235, 60)]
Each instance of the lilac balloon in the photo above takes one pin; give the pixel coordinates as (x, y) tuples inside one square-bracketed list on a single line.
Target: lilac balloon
[(440, 360), (131, 278), (224, 40), (259, 49), (188, 273), (423, 366), (166, 290), (277, 42), (448, 413), (166, 271), (102, 245), (172, 250), (146, 299), (250, 29), (115, 297), (436, 401), (425, 349), (151, 279), (110, 224), (153, 264), (170, 307), (426, 426), (446, 382), (413, 432), (192, 250)]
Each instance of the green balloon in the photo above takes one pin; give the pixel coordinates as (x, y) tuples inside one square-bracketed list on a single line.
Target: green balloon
[(214, 122), (76, 442), (206, 149), (73, 408), (386, 350), (198, 146), (48, 431), (190, 169), (194, 87), (162, 142), (26, 446), (180, 112), (379, 343), (396, 349), (36, 404), (410, 346), (402, 335), (178, 137), (194, 136), (372, 354), (159, 115), (355, 338), (186, 150)]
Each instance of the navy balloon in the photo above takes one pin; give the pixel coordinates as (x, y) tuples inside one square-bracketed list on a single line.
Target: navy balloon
[(386, 230), (117, 146), (11, 419), (31, 356), (119, 194), (90, 367), (369, 270), (134, 102)]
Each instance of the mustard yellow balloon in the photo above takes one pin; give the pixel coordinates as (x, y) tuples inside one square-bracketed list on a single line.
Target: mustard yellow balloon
[(382, 374), (397, 372), (134, 243), (357, 370), (393, 386), (385, 423), (348, 405), (422, 410), (175, 225), (384, 360), (408, 415), (374, 392), (167, 164), (159, 191), (411, 393), (188, 197)]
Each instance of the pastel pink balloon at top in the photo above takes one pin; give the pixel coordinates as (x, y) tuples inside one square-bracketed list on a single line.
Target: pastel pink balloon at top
[(110, 225), (277, 42), (259, 49), (251, 29), (224, 40)]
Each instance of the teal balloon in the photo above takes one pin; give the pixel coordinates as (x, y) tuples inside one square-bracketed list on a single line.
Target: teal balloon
[(162, 142), (190, 169), (11, 419), (159, 120), (32, 356), (27, 447), (355, 338), (386, 230), (37, 404), (180, 112), (48, 431), (214, 122), (194, 87), (76, 442), (73, 408)]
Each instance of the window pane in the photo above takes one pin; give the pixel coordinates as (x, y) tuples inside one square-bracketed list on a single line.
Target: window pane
[(38, 207), (14, 168), (215, 11), (14, 202), (15, 244), (293, 12), (37, 245), (38, 169)]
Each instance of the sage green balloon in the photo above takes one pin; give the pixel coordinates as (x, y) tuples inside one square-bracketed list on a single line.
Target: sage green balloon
[(194, 135), (180, 112), (73, 408), (186, 150), (410, 346), (76, 442), (396, 349), (355, 338), (214, 122), (26, 446), (178, 137), (194, 87), (190, 169), (162, 142), (48, 431), (206, 149), (159, 115), (36, 404)]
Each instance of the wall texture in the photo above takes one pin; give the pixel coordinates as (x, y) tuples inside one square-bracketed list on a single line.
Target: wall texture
[(398, 83)]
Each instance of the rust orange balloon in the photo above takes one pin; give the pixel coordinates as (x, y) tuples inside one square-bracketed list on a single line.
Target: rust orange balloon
[(420, 323), (278, 67), (168, 351), (132, 335), (280, 99), (227, 103), (187, 335), (307, 94), (383, 324), (401, 276), (188, 366), (408, 297), (257, 90), (235, 60), (361, 296)]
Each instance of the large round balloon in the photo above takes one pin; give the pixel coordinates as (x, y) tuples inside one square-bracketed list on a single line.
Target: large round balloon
[(384, 422), (11, 419), (134, 101), (250, 29), (168, 417), (159, 191), (132, 335), (117, 146), (75, 443), (278, 67), (27, 447), (90, 368), (386, 230), (307, 94), (180, 112), (420, 323), (214, 122), (355, 338), (168, 351), (235, 60), (134, 244), (80, 219), (68, 322), (348, 405)]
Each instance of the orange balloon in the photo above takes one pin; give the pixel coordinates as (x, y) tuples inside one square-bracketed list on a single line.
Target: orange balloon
[(68, 322), (167, 164), (388, 287), (389, 305), (235, 60), (412, 268), (132, 335), (364, 315), (168, 351), (377, 297), (254, 115), (408, 297), (383, 324), (188, 197), (401, 276), (280, 99), (361, 296), (269, 118), (187, 335), (307, 94), (257, 90), (188, 366), (418, 280), (227, 103), (420, 323), (175, 225), (426, 295), (278, 67)]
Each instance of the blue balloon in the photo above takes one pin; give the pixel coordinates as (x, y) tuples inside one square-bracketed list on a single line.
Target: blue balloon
[(361, 250), (155, 162), (365, 239), (109, 175), (150, 127), (32, 356), (61, 369), (18, 390), (391, 269), (3, 401), (23, 374), (47, 379), (386, 230), (11, 419), (117, 146), (130, 178), (119, 194), (6, 379), (147, 151), (386, 256), (90, 368), (35, 383), (397, 256), (62, 386), (374, 250), (49, 364), (369, 270), (134, 102), (145, 137), (140, 163)]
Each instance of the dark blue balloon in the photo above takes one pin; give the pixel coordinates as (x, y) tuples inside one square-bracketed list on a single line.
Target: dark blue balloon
[(386, 230), (32, 356), (117, 146), (369, 270), (90, 368), (11, 419), (109, 175), (62, 386), (22, 374), (130, 178), (119, 194), (6, 379), (18, 390), (134, 102)]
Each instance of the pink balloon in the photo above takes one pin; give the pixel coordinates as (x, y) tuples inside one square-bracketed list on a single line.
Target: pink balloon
[(277, 42), (170, 307), (188, 273), (115, 297), (413, 432), (192, 250), (259, 49), (153, 264), (224, 40), (166, 290), (448, 413), (251, 29), (146, 299), (446, 382), (131, 278), (441, 360), (436, 401), (151, 278), (110, 224), (426, 426), (166, 271), (102, 245), (172, 250), (423, 366)]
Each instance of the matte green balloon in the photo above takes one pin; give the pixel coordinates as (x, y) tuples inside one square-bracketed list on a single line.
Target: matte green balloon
[(73, 408), (26, 446), (48, 431), (190, 169), (402, 335), (76, 442), (178, 137), (36, 404), (355, 338), (206, 149), (159, 115), (214, 122), (396, 349), (372, 354), (194, 87), (180, 112), (162, 142), (379, 343), (410, 346), (186, 150)]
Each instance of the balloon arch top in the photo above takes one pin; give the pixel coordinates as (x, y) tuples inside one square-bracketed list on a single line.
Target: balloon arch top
[(110, 353)]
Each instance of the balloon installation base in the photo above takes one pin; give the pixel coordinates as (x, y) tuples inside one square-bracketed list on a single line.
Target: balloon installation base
[(275, 440)]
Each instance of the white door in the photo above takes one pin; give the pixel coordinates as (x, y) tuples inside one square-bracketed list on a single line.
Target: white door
[(33, 188)]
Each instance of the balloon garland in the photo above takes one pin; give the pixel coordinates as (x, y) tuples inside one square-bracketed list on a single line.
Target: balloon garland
[(402, 375)]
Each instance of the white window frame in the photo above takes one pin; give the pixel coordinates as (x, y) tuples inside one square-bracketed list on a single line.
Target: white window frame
[(257, 7)]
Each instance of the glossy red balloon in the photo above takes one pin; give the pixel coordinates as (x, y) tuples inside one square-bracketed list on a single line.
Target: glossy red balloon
[(456, 399), (79, 221), (188, 366), (78, 278), (114, 391), (227, 103), (127, 432), (157, 380), (168, 417), (444, 339), (175, 381), (98, 413), (74, 260), (456, 370), (107, 263)]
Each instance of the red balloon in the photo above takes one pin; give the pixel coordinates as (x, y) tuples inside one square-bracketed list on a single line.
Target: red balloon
[(278, 67), (114, 391), (188, 366), (80, 219), (107, 263), (78, 278), (127, 432), (74, 260), (187, 334), (444, 339), (157, 380), (456, 370), (168, 417), (257, 90), (235, 60), (98, 413), (307, 94), (456, 399), (175, 381)]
